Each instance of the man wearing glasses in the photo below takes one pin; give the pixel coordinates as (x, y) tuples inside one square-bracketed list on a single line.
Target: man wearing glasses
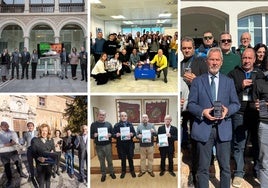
[(208, 42), (245, 40), (230, 60)]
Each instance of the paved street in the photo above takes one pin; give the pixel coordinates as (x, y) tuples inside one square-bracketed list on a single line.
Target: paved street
[(62, 181), (45, 83)]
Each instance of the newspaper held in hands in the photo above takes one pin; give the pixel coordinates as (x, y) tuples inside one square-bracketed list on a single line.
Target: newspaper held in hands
[(125, 133), (162, 140), (146, 136), (103, 134)]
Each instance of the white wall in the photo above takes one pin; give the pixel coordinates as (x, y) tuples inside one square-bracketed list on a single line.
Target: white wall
[(95, 23), (108, 103)]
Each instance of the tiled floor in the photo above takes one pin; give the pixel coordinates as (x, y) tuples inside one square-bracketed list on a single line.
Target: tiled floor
[(128, 84)]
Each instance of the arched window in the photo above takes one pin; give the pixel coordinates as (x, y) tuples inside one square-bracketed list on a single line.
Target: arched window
[(253, 24)]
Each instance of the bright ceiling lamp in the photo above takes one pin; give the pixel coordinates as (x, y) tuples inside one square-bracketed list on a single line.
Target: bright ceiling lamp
[(161, 21), (164, 15), (128, 22), (118, 17), (94, 1)]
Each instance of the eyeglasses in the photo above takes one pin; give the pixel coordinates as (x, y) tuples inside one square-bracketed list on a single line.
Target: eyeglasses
[(208, 37), (226, 40)]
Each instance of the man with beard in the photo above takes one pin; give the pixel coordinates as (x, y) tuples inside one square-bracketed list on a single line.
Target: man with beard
[(209, 129)]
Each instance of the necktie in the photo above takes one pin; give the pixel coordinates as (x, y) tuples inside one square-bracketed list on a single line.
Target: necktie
[(213, 88)]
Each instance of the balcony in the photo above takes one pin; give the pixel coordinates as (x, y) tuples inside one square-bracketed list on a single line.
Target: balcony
[(46, 8), (13, 8), (72, 7)]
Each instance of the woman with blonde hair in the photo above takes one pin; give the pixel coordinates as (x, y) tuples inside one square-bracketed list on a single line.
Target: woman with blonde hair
[(42, 150)]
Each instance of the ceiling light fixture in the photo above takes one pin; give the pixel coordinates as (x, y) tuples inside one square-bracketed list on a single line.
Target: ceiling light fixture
[(161, 21), (128, 22), (118, 17), (164, 15), (94, 1)]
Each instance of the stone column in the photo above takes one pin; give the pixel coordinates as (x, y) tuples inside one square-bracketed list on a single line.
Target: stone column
[(26, 42), (27, 6), (56, 6), (56, 39)]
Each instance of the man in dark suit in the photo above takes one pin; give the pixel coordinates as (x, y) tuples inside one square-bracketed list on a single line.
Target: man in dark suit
[(207, 129), (25, 61), (27, 137), (81, 145), (64, 61), (125, 144), (172, 134)]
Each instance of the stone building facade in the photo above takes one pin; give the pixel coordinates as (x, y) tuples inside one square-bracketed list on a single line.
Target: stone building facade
[(17, 110)]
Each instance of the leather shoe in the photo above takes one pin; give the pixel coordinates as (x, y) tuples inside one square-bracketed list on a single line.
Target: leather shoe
[(165, 80), (162, 173), (133, 174), (151, 174), (122, 175), (113, 176), (141, 174), (103, 178), (66, 77), (82, 79), (172, 173), (81, 180)]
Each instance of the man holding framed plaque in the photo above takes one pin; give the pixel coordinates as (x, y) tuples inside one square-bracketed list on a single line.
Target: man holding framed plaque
[(101, 132), (167, 134), (208, 130), (124, 132), (145, 133)]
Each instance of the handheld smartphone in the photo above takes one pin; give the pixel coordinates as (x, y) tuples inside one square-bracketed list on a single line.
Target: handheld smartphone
[(188, 70), (217, 109)]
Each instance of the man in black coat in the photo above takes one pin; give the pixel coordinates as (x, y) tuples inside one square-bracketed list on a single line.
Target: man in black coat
[(171, 133), (25, 61), (124, 132)]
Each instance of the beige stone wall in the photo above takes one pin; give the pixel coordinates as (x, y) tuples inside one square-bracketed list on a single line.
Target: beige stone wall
[(30, 110)]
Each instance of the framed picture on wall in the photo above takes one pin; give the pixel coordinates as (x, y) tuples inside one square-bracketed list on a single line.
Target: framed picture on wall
[(156, 109), (132, 107)]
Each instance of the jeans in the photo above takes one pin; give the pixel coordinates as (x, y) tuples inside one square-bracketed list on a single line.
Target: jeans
[(263, 141), (173, 59), (63, 69), (69, 162), (240, 133)]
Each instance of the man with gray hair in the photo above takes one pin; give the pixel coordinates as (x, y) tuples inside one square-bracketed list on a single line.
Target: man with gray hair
[(101, 132), (146, 133), (8, 152), (170, 132)]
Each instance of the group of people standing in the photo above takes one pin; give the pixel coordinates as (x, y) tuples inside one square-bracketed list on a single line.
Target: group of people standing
[(15, 59), (44, 151), (73, 59), (102, 132), (237, 79)]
